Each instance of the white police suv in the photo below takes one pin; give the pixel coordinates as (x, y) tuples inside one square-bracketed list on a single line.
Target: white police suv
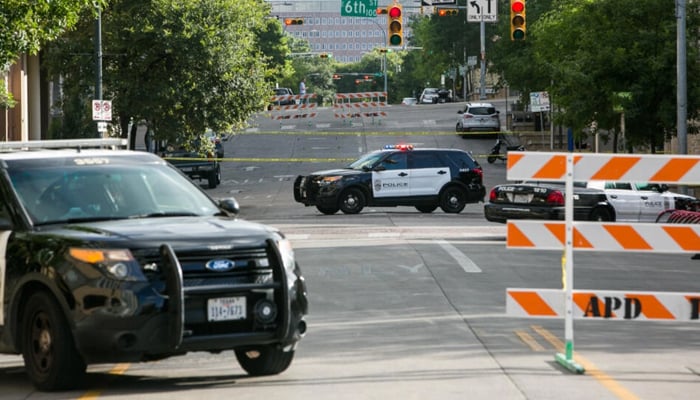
[(398, 175)]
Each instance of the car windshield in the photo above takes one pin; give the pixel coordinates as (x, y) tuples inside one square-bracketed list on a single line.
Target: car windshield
[(68, 193), (430, 91), (367, 161)]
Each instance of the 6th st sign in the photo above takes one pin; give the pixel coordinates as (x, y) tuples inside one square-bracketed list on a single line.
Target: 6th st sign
[(359, 8)]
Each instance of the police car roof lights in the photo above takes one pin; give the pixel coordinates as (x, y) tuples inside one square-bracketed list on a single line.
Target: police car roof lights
[(402, 147)]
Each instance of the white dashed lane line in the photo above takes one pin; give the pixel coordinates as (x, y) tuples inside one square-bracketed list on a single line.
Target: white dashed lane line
[(465, 262)]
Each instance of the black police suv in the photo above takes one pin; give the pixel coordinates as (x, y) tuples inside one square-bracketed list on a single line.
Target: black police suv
[(398, 175), (112, 255)]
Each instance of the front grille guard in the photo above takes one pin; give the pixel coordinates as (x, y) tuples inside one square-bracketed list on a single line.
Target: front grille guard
[(175, 292)]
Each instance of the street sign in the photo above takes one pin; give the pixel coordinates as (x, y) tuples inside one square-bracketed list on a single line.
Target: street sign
[(478, 9), (101, 110), (359, 8), (539, 101)]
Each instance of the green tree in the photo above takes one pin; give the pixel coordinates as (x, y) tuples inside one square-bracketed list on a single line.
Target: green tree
[(27, 25), (585, 53), (181, 65)]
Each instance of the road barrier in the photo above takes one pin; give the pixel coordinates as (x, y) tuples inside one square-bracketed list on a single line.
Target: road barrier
[(596, 236), (359, 105), (303, 107), (607, 304)]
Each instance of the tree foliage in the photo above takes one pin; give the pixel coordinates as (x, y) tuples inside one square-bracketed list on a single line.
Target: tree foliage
[(181, 65), (27, 25), (586, 53)]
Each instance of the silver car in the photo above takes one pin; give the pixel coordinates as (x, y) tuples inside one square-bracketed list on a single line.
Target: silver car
[(429, 96), (478, 117)]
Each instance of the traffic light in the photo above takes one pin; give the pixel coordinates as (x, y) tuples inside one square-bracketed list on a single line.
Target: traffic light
[(517, 20), (294, 21), (336, 76), (384, 50), (447, 12), (395, 25), (382, 10), (326, 55)]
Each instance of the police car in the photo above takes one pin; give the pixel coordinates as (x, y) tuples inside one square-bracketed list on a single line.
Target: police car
[(109, 255), (642, 201), (398, 175)]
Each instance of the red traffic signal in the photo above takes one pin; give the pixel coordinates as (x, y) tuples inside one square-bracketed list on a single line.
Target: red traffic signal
[(294, 21), (447, 12), (395, 25), (517, 20), (382, 10), (336, 76)]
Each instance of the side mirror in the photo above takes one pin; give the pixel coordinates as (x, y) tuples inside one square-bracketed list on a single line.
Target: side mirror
[(230, 205), (663, 188), (460, 112)]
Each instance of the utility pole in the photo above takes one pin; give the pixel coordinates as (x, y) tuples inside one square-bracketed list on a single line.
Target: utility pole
[(682, 84), (98, 58)]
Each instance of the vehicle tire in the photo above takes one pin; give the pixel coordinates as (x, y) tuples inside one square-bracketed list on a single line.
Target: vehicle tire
[(327, 210), (453, 199), (601, 214), (426, 209), (352, 201), (491, 159), (50, 357), (264, 360), (214, 177)]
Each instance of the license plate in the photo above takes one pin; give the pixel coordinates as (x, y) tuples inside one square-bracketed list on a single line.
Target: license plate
[(521, 198), (226, 309)]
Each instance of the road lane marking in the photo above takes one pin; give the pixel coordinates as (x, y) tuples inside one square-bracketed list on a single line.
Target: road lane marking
[(604, 379), (465, 262), (118, 369), (526, 338)]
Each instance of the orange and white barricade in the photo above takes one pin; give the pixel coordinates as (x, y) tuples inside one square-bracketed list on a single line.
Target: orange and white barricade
[(570, 235), (360, 105), (303, 107)]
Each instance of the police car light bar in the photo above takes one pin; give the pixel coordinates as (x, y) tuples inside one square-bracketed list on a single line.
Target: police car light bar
[(402, 147), (62, 144)]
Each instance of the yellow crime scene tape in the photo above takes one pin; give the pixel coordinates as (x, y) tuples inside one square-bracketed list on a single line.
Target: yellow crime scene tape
[(329, 159)]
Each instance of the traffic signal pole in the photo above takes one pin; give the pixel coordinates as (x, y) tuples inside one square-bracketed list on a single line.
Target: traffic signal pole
[(482, 82)]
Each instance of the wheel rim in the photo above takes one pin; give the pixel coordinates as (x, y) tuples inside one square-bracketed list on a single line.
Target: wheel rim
[(42, 342), (351, 202), (454, 200)]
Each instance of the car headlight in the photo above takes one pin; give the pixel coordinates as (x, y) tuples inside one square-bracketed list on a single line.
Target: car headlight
[(329, 180), (116, 263)]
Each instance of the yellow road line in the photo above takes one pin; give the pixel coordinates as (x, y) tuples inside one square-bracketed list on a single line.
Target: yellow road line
[(604, 379), (118, 369), (529, 340)]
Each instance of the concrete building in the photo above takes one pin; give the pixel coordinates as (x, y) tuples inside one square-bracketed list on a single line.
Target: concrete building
[(346, 38)]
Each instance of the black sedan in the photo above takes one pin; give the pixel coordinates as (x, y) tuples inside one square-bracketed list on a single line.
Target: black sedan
[(545, 201)]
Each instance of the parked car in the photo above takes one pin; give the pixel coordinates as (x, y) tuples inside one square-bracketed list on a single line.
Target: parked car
[(429, 96), (113, 256), (478, 117), (282, 97), (534, 200), (643, 202), (409, 101), (397, 175)]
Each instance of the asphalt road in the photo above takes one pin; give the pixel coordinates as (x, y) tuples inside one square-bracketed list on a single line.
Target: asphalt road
[(405, 305)]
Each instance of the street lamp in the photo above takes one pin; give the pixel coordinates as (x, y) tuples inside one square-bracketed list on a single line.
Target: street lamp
[(384, 58)]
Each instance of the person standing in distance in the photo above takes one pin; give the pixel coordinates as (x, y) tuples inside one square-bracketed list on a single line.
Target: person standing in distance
[(302, 90)]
